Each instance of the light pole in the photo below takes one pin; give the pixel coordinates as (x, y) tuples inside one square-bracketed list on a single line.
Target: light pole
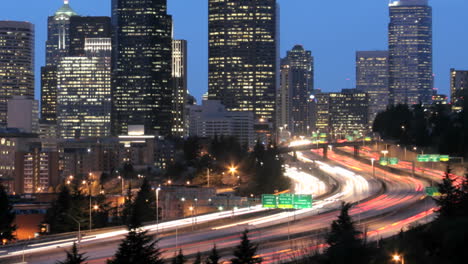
[(373, 167), (157, 207), (79, 228), (398, 258), (123, 184)]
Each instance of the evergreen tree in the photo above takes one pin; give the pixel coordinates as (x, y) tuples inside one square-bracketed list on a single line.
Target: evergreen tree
[(179, 258), (345, 244), (58, 216), (197, 259), (214, 257), (7, 216), (145, 203), (245, 252), (73, 256), (450, 201), (137, 247), (128, 217)]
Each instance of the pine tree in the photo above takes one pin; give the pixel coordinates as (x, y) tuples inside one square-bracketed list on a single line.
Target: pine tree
[(137, 247), (197, 259), (73, 257), (245, 252), (145, 203), (7, 216), (449, 202), (345, 244), (179, 258), (214, 257), (57, 216)]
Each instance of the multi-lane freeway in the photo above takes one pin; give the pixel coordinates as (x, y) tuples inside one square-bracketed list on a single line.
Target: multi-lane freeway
[(384, 204)]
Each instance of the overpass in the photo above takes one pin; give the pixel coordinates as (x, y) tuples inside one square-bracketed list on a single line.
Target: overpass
[(325, 146)]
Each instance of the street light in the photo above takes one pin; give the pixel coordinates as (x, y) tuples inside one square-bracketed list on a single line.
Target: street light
[(373, 168), (398, 258), (123, 184), (157, 207), (384, 152)]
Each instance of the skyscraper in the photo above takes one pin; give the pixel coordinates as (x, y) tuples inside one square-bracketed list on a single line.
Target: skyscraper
[(296, 87), (243, 53), (83, 27), (372, 78), (458, 88), (179, 76), (57, 46), (348, 112), (142, 88), (84, 92), (410, 52), (16, 63)]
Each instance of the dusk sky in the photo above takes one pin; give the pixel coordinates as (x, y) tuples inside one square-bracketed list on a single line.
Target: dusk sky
[(332, 30)]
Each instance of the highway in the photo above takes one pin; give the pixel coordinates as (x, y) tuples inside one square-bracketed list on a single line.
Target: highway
[(281, 235)]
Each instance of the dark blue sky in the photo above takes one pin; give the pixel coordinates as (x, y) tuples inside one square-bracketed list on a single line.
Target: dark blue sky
[(332, 30)]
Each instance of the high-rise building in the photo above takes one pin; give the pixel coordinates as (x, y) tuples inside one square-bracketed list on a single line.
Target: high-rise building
[(243, 57), (322, 112), (179, 77), (58, 34), (142, 87), (458, 88), (16, 63), (410, 52), (211, 119), (83, 27), (348, 112), (372, 78), (84, 92), (296, 87), (23, 113)]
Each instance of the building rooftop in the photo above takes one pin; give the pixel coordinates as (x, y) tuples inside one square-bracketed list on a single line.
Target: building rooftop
[(409, 2), (66, 10)]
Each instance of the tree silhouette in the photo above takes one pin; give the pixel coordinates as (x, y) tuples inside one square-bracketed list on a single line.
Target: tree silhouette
[(245, 252), (137, 247), (73, 256), (179, 258), (7, 217), (214, 257), (345, 246)]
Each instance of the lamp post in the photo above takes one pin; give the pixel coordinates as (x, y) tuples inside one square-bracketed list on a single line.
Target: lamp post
[(79, 228), (123, 184), (157, 208), (373, 167), (398, 259)]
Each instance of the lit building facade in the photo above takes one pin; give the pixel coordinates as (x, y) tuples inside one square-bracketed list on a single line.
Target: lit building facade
[(213, 119), (85, 27), (410, 52), (296, 88), (348, 112), (84, 92), (16, 63), (322, 112), (142, 87), (179, 77), (243, 57), (372, 78), (57, 46), (458, 88)]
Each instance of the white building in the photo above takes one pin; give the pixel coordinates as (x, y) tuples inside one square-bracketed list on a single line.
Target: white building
[(23, 113), (212, 119)]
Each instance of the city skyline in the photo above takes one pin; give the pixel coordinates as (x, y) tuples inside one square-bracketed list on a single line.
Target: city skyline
[(333, 44)]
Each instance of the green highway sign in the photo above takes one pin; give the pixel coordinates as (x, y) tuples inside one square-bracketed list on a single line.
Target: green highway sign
[(383, 161), (393, 161), (323, 135), (269, 201), (302, 201), (323, 141), (350, 138), (367, 139), (285, 201), (432, 191), (433, 158), (314, 135), (423, 158)]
